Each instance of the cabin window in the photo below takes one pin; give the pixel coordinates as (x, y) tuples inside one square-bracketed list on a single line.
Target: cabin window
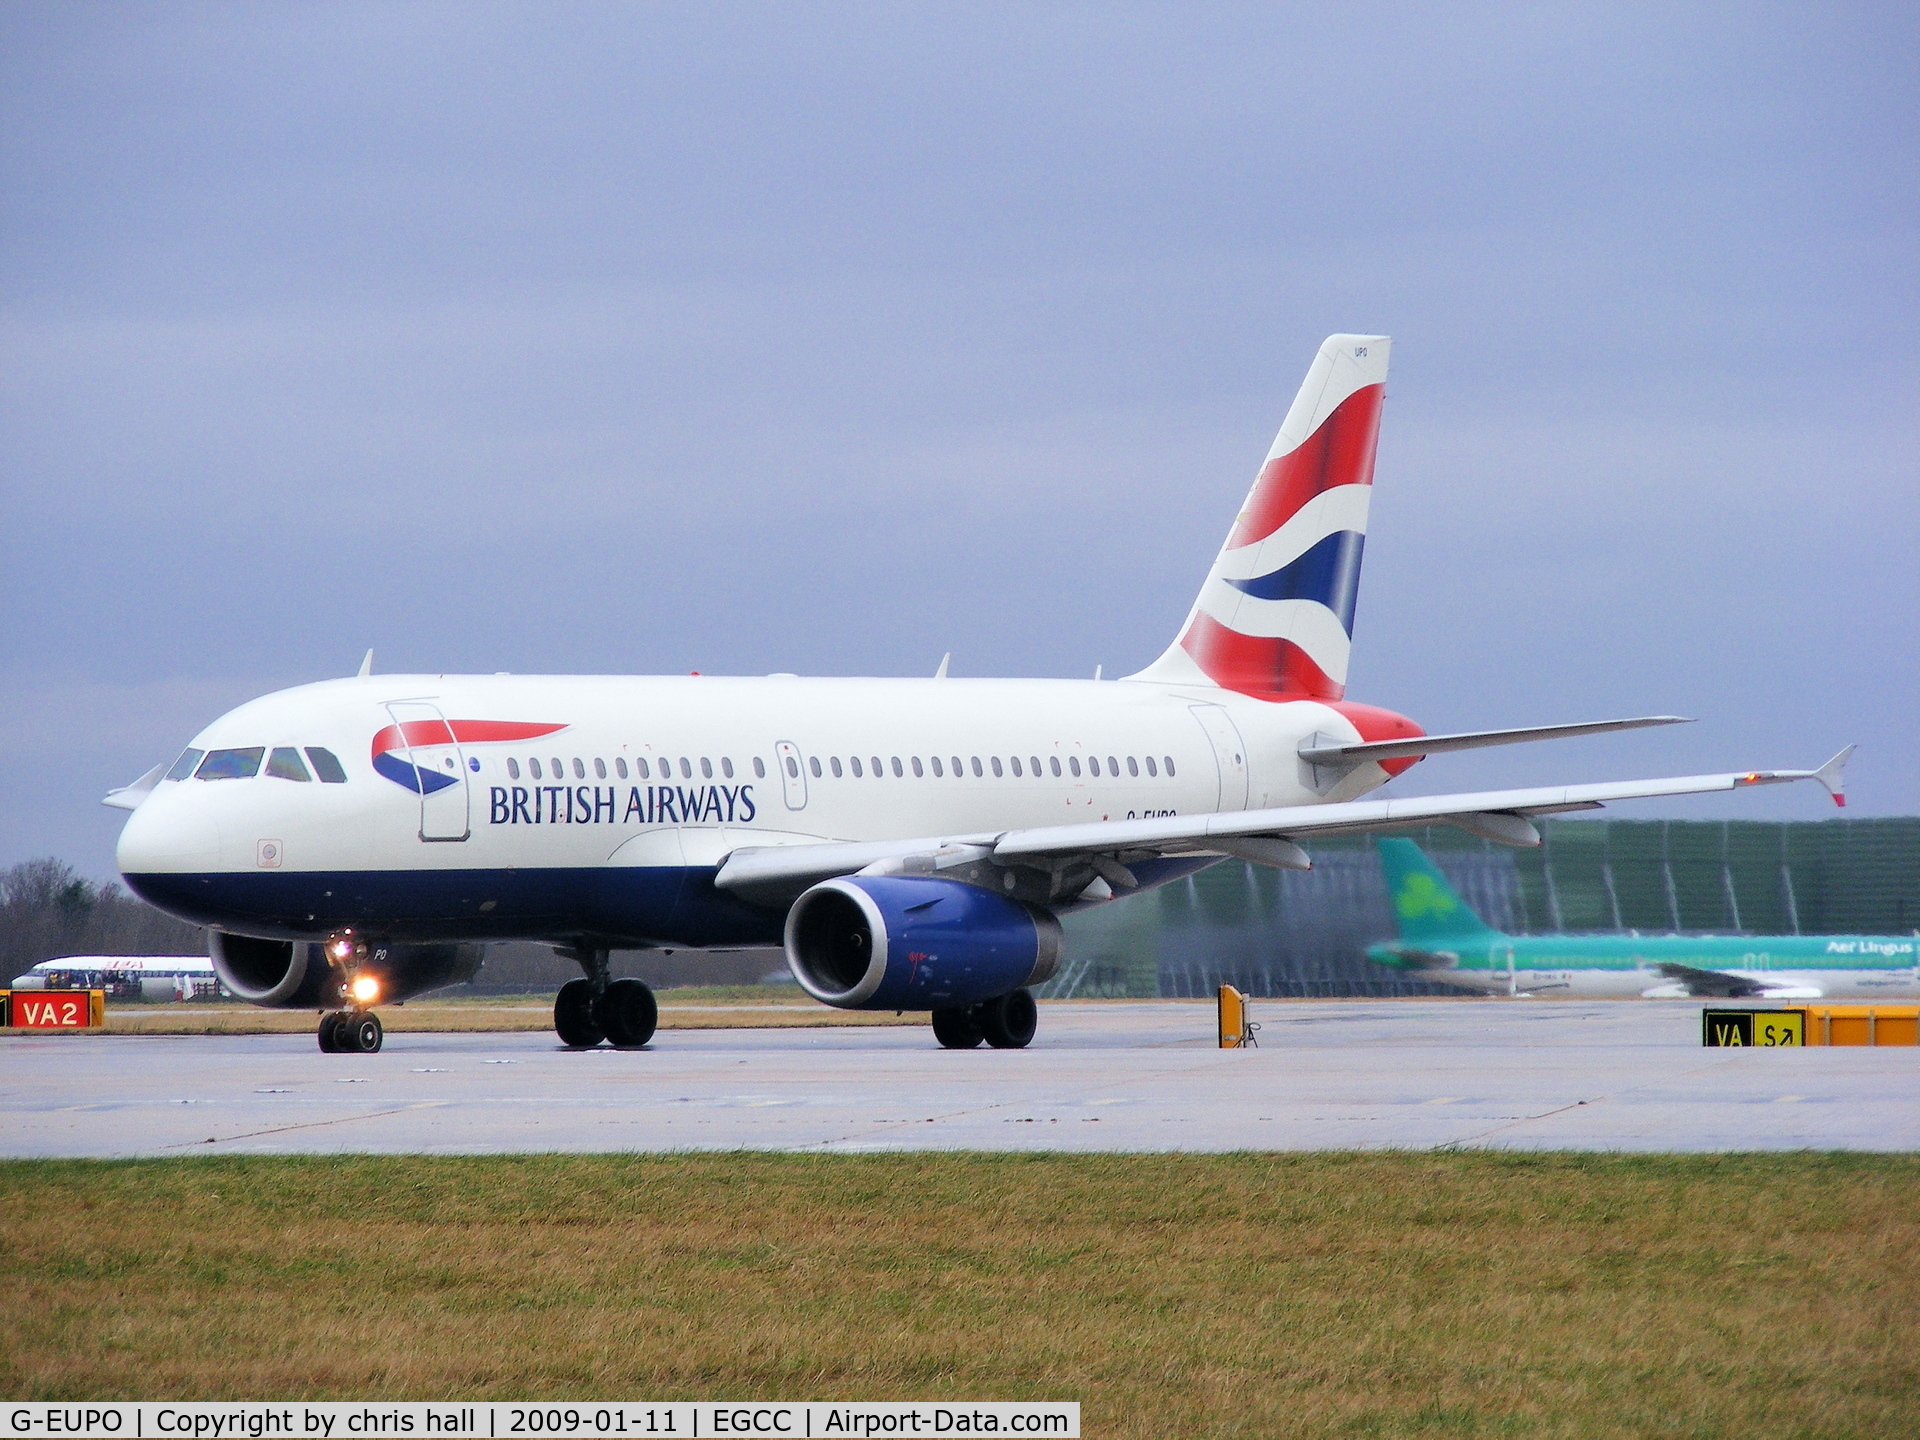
[(284, 764), (918, 773), (1152, 769), (1054, 761), (533, 768), (898, 772), (686, 768), (579, 770), (726, 767), (706, 768), (241, 764), (793, 768), (1113, 766), (759, 768), (1034, 761), (1133, 767), (599, 768), (1168, 762), (183, 767), (834, 763), (620, 767), (559, 768), (642, 769), (813, 764), (1073, 764), (938, 772), (977, 771), (513, 768), (326, 766), (1093, 764), (959, 771), (1015, 763), (878, 773), (855, 762), (998, 773)]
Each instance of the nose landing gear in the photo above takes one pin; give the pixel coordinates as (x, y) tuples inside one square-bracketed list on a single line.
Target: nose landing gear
[(355, 1030), (351, 1032), (596, 1008)]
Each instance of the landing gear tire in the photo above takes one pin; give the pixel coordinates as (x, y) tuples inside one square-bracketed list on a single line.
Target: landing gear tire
[(363, 1034), (627, 1013), (329, 1034), (573, 1019), (1008, 1023), (957, 1028)]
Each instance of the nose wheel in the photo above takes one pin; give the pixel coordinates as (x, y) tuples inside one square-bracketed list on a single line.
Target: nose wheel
[(351, 1032)]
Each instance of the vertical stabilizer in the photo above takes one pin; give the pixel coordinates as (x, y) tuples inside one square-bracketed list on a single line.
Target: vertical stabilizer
[(1275, 617), (1425, 908)]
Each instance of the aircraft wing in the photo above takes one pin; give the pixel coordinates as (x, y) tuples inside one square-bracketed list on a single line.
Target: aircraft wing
[(1265, 836), (1711, 983)]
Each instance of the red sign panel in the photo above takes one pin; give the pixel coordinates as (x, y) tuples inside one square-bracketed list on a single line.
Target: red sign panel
[(54, 1009)]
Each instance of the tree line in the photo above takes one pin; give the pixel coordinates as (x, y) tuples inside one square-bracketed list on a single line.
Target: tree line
[(48, 909)]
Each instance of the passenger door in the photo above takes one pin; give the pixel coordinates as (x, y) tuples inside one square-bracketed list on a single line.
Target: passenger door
[(440, 769), (1229, 753)]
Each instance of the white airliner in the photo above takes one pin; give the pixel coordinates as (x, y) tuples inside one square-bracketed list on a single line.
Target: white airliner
[(154, 977), (911, 842)]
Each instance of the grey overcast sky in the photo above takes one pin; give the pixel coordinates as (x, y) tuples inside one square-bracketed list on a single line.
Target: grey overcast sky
[(831, 338)]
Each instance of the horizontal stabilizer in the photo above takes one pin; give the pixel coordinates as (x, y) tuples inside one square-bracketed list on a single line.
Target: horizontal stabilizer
[(1341, 753)]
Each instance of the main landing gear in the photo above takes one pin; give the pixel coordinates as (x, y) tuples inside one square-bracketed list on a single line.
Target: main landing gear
[(596, 1008), (1006, 1022)]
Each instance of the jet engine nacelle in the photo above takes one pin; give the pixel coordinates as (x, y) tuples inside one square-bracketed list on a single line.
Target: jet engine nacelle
[(887, 942), (295, 975)]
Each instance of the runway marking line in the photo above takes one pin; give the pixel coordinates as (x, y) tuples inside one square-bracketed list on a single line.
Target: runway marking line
[(307, 1125)]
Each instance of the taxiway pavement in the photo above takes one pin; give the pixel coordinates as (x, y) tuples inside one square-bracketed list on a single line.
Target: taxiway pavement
[(1142, 1076)]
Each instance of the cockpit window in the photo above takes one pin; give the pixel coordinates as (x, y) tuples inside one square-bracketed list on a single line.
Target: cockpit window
[(284, 764), (231, 764), (183, 767), (326, 766)]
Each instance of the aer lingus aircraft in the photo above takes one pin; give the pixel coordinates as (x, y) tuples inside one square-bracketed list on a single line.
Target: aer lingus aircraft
[(910, 842), (1441, 938)]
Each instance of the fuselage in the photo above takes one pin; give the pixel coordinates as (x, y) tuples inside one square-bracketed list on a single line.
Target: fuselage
[(561, 807), (1619, 966)]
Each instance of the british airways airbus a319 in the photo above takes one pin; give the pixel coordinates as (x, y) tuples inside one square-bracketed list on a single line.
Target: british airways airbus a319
[(912, 843)]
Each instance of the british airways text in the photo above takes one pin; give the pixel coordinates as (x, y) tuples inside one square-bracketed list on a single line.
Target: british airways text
[(602, 805)]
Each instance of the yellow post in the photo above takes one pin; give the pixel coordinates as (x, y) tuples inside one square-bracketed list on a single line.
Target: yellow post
[(1236, 1030)]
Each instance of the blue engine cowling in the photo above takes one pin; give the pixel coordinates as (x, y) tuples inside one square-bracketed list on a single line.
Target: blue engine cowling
[(903, 942)]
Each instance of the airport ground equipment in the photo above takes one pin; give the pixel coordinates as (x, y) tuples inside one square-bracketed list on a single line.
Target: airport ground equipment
[(1237, 1029), (1863, 1025), (53, 1009), (1812, 1025)]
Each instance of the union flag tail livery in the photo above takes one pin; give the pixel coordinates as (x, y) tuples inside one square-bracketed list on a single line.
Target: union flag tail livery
[(1275, 617), (911, 843)]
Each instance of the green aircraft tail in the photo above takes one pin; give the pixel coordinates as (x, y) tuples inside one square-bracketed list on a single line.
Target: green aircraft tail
[(1425, 908)]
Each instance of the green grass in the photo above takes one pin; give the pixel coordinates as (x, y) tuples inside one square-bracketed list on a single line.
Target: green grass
[(1330, 1294)]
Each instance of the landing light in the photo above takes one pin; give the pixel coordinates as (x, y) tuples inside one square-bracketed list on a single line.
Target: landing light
[(366, 989)]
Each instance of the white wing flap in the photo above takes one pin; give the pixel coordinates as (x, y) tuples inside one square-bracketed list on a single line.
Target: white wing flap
[(768, 867)]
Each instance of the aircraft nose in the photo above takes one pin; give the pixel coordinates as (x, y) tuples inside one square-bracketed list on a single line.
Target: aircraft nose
[(168, 835)]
